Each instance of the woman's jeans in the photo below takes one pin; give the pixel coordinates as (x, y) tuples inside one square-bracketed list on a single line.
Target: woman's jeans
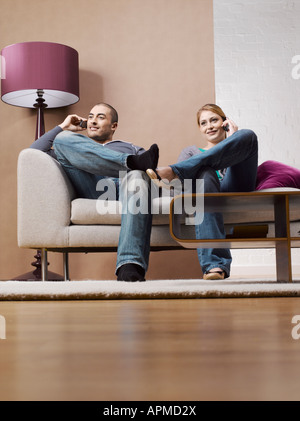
[(89, 164), (238, 154)]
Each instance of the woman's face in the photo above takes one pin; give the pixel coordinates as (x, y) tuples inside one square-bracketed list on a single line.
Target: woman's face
[(211, 126)]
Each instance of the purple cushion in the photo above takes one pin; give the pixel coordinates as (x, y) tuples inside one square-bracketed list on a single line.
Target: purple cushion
[(275, 174)]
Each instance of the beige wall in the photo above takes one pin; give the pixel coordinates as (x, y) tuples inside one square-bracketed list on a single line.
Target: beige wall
[(151, 59)]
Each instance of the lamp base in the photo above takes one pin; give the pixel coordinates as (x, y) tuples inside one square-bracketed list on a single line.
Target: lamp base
[(36, 275)]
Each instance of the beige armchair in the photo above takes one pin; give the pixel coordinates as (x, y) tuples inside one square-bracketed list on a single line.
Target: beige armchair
[(50, 218)]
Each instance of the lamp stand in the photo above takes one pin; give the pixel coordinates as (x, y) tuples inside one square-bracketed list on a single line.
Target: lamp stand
[(40, 106), (36, 275)]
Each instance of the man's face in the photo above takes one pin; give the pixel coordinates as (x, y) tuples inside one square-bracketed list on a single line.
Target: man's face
[(99, 125)]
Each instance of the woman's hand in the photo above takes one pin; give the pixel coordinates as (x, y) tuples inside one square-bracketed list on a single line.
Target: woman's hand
[(232, 127), (72, 123)]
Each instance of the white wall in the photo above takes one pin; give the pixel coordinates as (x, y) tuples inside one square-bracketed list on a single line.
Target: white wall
[(258, 86)]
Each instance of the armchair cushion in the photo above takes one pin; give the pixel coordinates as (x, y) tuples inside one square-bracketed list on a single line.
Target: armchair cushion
[(102, 212)]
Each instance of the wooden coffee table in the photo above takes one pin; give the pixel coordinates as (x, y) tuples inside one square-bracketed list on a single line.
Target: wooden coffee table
[(281, 204)]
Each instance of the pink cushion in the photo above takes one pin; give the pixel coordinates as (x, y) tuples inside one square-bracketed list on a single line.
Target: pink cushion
[(272, 174)]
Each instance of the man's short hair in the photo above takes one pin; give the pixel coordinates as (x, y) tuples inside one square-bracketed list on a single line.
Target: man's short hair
[(113, 112)]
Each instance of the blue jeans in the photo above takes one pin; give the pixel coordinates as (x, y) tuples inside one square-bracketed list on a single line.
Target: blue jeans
[(239, 154), (86, 162)]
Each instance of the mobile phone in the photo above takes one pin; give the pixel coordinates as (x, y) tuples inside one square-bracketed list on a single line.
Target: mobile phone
[(83, 124), (226, 127)]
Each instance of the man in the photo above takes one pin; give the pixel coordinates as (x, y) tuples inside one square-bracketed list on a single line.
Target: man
[(92, 158)]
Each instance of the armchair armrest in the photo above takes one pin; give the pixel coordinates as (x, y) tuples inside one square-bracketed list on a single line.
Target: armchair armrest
[(44, 200)]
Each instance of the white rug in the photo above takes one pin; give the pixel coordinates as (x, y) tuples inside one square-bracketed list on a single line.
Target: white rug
[(156, 289)]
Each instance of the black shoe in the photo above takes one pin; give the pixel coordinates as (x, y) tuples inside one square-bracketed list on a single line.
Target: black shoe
[(142, 162), (131, 272)]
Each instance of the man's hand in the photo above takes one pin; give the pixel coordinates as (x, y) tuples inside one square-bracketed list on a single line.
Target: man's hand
[(72, 123)]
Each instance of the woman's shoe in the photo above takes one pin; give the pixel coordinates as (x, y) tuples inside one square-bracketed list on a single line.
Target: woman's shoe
[(214, 276), (157, 180)]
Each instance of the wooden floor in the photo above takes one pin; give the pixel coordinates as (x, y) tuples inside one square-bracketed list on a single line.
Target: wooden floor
[(202, 349)]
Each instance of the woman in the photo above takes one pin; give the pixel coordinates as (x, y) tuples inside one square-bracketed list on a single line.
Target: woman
[(228, 163)]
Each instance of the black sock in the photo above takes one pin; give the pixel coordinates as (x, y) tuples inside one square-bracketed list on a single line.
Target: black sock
[(131, 272), (144, 161)]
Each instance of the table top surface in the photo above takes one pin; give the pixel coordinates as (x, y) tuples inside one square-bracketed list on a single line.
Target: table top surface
[(242, 201)]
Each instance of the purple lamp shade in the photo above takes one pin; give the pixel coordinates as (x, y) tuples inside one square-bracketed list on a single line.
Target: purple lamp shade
[(31, 66)]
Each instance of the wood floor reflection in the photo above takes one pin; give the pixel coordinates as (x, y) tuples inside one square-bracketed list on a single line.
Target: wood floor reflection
[(202, 349)]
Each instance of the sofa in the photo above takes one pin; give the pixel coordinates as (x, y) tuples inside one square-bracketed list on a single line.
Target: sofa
[(51, 218)]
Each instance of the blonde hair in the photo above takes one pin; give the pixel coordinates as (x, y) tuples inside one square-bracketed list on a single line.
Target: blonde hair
[(210, 107)]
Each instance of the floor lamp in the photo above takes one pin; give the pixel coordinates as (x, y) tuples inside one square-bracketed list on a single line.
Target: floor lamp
[(39, 75)]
